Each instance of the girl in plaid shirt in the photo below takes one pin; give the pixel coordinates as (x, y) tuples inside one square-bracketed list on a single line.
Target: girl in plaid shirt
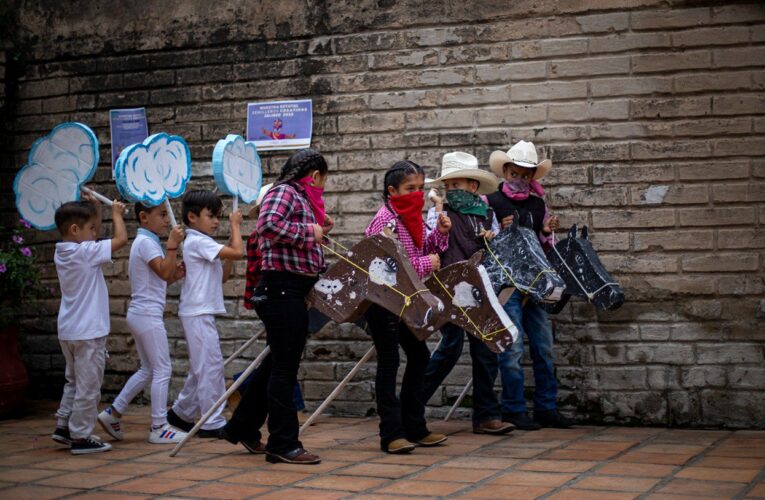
[(402, 422), (290, 228)]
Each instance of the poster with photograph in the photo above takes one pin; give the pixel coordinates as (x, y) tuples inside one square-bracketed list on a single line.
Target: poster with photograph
[(128, 127), (280, 124)]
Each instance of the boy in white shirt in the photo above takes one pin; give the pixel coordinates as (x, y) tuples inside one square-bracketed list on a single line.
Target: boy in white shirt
[(83, 318), (208, 266), (150, 271)]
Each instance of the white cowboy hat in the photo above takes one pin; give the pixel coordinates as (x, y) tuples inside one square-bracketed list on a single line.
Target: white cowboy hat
[(261, 195), (459, 165), (523, 154)]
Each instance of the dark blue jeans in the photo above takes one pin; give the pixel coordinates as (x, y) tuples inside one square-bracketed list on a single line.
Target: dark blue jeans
[(532, 322), (485, 367)]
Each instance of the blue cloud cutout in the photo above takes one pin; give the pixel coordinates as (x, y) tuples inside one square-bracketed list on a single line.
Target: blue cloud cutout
[(237, 168)]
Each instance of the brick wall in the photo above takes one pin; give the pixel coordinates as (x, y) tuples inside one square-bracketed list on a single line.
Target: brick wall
[(654, 117)]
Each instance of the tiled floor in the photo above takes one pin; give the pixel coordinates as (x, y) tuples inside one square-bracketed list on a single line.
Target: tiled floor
[(579, 463)]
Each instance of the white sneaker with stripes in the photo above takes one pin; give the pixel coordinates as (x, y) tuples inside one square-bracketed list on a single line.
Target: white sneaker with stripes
[(111, 424), (167, 434)]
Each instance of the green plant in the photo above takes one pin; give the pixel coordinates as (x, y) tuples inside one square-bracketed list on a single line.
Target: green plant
[(20, 282)]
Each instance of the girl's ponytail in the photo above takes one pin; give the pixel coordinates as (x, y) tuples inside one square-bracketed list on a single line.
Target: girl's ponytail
[(299, 164)]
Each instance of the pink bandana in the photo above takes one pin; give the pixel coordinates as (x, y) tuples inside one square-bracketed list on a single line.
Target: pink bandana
[(314, 195), (520, 190)]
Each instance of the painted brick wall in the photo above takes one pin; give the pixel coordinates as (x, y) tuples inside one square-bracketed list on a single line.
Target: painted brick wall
[(654, 117)]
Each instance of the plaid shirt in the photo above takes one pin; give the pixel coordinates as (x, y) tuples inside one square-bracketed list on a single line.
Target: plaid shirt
[(253, 269), (433, 242), (285, 233)]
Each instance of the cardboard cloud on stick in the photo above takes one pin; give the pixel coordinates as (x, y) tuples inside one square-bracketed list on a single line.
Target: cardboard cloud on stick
[(237, 168)]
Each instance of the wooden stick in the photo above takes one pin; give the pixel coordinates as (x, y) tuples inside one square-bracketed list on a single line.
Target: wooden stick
[(242, 349), (170, 213), (459, 400), (256, 362), (317, 413)]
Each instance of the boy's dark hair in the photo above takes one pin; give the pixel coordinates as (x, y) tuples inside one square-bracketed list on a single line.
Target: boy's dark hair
[(197, 200), (140, 207), (396, 174), (74, 212), (299, 164)]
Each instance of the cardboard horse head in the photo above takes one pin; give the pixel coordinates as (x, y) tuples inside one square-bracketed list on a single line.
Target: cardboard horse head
[(470, 303), (578, 264), (376, 270), (516, 260)]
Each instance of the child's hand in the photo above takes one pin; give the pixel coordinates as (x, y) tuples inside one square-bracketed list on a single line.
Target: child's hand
[(329, 223), (175, 237), (552, 224), (506, 221), (180, 271), (488, 235), (318, 233), (444, 223), (435, 261), (235, 218), (90, 198), (117, 209)]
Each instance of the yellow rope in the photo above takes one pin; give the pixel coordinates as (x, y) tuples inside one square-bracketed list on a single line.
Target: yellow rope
[(504, 269), (407, 298), (484, 336)]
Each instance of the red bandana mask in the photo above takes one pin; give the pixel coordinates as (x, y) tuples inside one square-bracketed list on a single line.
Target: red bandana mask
[(314, 195), (409, 208)]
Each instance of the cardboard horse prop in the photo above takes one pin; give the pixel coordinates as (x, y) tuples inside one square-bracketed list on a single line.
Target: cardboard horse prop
[(465, 289), (515, 260), (578, 264)]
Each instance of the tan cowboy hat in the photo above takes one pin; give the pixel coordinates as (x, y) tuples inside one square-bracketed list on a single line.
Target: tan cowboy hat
[(523, 154), (459, 165), (261, 195)]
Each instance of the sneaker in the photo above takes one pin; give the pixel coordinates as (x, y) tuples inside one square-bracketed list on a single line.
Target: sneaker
[(432, 439), (298, 456), (167, 434), (61, 435), (552, 418), (111, 424), (176, 421), (254, 446), (398, 447), (522, 421), (90, 445), (211, 433), (493, 427)]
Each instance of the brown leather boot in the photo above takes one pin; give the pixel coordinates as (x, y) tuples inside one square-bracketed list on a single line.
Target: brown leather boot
[(493, 427)]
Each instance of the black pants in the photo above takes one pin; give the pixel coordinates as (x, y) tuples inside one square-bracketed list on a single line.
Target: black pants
[(270, 394), (403, 418)]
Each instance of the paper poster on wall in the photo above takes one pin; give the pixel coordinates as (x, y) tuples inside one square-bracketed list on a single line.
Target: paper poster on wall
[(128, 127), (280, 124)]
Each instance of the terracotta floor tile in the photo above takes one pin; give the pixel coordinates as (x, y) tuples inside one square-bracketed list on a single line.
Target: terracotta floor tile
[(234, 461), (669, 496), (506, 491), (68, 463), (83, 480), (381, 470), (671, 448), (131, 468), (345, 483), (293, 493), (109, 495), (718, 474), (449, 474), (738, 451), (180, 458), (23, 475), (731, 462), (557, 466), (577, 494), (612, 483), (655, 458), (636, 469), (703, 488), (152, 485), (570, 454), (523, 478), (268, 477), (342, 455), (423, 488), (223, 491), (509, 452), (196, 473), (757, 492), (473, 462), (19, 460), (324, 466), (410, 459), (601, 445), (33, 492)]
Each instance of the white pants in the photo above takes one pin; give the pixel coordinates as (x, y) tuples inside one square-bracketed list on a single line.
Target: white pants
[(151, 343), (205, 383), (85, 361)]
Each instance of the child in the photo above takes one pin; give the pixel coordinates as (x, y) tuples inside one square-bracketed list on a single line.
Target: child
[(208, 266), (403, 422), (83, 318), (150, 270), (290, 229), (521, 193), (472, 221)]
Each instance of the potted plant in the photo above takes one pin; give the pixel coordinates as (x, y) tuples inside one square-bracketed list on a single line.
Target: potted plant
[(20, 285)]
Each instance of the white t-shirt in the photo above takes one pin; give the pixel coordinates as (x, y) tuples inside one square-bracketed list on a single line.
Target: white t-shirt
[(84, 311), (202, 291), (148, 290)]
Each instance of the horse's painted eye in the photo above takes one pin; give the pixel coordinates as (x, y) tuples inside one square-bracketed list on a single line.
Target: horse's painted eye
[(579, 259), (477, 295), (392, 264)]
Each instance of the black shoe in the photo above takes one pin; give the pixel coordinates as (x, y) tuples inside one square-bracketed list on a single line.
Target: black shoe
[(211, 433), (552, 418), (522, 421), (298, 456), (90, 445), (176, 421), (254, 446), (61, 435)]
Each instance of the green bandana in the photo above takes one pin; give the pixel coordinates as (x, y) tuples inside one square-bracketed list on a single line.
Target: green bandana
[(466, 203)]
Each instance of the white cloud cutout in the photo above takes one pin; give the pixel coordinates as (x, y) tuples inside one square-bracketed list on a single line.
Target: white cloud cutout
[(237, 168)]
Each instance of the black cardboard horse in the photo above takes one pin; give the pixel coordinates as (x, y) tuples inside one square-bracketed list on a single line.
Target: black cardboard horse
[(515, 259), (376, 270), (470, 303), (578, 264)]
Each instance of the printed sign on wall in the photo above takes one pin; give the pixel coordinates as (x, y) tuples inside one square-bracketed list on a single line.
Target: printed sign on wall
[(280, 124), (128, 127)]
